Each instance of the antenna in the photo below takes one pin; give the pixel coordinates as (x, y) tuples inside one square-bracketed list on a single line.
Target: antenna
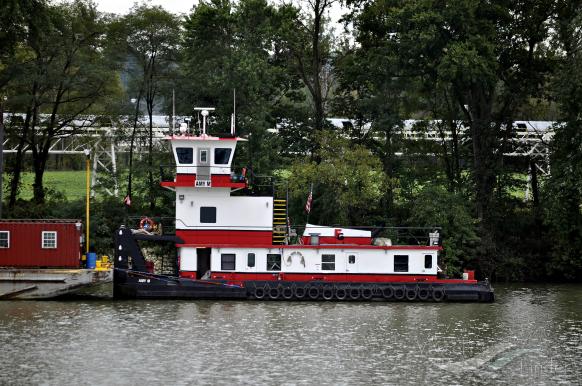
[(173, 112), (233, 118)]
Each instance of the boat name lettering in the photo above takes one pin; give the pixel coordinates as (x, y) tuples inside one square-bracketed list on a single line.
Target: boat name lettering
[(203, 183)]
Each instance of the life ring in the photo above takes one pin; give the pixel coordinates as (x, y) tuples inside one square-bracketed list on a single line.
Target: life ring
[(367, 293), (147, 224), (423, 293), (259, 292), (300, 292), (289, 259), (274, 293), (411, 293), (387, 292), (287, 293), (327, 293), (399, 293), (313, 292), (354, 293), (341, 293), (438, 294)]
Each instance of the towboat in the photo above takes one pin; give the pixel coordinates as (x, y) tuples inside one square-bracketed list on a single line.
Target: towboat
[(235, 245)]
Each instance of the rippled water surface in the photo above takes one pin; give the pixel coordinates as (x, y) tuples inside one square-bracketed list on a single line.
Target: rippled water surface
[(531, 335)]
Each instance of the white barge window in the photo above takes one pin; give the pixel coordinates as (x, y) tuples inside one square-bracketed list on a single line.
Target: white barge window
[(251, 260), (351, 259), (185, 155), (5, 239), (227, 261), (400, 263), (427, 261), (273, 262), (49, 240), (328, 262)]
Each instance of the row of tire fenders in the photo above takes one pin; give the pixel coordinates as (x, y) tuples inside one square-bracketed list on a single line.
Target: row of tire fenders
[(361, 292)]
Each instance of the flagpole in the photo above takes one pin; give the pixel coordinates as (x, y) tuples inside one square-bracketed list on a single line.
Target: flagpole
[(310, 204)]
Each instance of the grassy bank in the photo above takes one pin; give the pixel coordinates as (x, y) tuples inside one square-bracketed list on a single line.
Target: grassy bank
[(69, 183)]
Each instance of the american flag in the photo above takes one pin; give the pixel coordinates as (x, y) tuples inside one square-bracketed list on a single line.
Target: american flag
[(127, 200), (309, 201)]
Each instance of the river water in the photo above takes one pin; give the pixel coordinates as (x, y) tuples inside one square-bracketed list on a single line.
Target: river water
[(530, 335)]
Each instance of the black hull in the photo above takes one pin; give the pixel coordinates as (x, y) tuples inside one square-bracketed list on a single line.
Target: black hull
[(139, 285)]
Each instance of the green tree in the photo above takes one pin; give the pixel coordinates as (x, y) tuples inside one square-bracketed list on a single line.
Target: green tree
[(238, 47), (464, 59), (151, 37), (309, 46), (563, 191), (61, 85), (348, 183)]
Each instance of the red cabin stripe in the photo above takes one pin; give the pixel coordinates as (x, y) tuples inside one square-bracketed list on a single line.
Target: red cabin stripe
[(206, 237), (330, 277), (335, 240), (188, 274), (218, 181), (233, 244)]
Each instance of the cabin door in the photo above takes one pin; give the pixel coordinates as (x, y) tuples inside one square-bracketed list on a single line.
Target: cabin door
[(351, 262), (202, 261), (203, 174)]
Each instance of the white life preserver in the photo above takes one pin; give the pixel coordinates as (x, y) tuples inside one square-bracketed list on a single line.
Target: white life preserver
[(292, 255)]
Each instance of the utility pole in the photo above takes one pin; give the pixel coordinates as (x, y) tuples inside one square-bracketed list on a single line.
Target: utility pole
[(88, 196), (1, 150)]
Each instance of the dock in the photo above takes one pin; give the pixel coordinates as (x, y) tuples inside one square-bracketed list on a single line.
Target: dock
[(23, 283)]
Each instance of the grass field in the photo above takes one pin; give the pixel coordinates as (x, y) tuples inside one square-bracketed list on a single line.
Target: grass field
[(69, 183), (72, 184)]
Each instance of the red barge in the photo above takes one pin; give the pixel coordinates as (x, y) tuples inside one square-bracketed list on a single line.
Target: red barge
[(238, 247)]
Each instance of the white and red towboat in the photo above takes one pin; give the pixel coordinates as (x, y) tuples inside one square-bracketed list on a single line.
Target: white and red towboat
[(238, 247)]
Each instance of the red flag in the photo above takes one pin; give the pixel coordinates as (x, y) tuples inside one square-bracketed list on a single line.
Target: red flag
[(127, 200), (308, 203)]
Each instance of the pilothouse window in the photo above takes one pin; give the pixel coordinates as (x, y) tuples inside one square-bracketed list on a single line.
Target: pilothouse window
[(222, 156), (185, 155)]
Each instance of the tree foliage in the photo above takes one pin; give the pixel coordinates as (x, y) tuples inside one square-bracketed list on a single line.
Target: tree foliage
[(449, 65)]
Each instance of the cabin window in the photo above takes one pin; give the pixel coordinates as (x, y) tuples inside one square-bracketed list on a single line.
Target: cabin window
[(208, 214), (203, 156), (328, 262), (351, 259), (401, 263), (273, 262), (227, 261), (185, 155), (251, 260), (222, 156), (49, 240), (4, 239), (427, 261)]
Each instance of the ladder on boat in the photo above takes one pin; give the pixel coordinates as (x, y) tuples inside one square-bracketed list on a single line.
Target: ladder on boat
[(279, 221)]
